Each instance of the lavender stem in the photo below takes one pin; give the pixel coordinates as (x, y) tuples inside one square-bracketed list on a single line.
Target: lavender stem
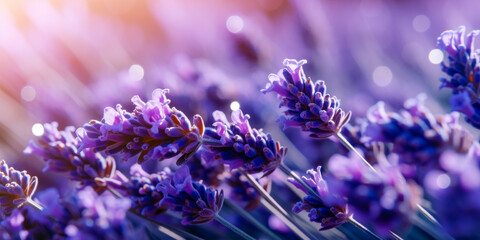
[(35, 205), (280, 212), (251, 219), (233, 228)]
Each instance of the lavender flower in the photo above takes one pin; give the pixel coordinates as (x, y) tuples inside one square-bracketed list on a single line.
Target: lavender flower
[(12, 226), (237, 144), (16, 188), (308, 104), (416, 135), (464, 71), (456, 190), (382, 199), (154, 130), (204, 168), (60, 150), (198, 203), (328, 210), (141, 188)]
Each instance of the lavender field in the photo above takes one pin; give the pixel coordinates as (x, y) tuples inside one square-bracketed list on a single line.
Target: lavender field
[(254, 119)]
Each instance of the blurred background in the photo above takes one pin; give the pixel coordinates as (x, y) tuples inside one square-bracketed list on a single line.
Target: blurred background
[(66, 61)]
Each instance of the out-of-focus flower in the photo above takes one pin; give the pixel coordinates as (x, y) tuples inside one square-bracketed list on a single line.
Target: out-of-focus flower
[(60, 150), (242, 191), (154, 130), (456, 190), (12, 226), (328, 210), (203, 167), (417, 136), (197, 202), (16, 188), (463, 68), (308, 104), (237, 144), (382, 199)]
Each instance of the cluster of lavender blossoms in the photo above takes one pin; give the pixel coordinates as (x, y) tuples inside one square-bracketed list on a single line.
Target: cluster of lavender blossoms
[(154, 130), (239, 145), (16, 188), (381, 199), (327, 209), (416, 135), (61, 151), (308, 104), (455, 189), (463, 68)]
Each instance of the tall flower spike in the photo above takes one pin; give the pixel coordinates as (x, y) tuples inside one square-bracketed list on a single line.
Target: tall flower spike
[(463, 68), (240, 145), (197, 202), (382, 200), (328, 210), (153, 130), (417, 136), (308, 104), (16, 188), (60, 150)]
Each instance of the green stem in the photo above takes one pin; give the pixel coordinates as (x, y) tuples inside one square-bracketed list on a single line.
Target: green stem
[(349, 146), (233, 228), (363, 228), (35, 205), (251, 219), (280, 212)]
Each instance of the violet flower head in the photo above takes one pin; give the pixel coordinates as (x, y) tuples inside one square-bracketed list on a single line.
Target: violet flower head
[(456, 191), (382, 199), (415, 134), (154, 130), (308, 104), (237, 144), (197, 202), (16, 188), (60, 150), (11, 227), (463, 68), (142, 190), (328, 210)]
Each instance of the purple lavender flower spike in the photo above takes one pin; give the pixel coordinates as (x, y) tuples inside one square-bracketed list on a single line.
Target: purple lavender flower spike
[(328, 210), (60, 150), (16, 188), (416, 135), (456, 190), (382, 199), (240, 145), (154, 130), (198, 203), (143, 193), (463, 68), (308, 104)]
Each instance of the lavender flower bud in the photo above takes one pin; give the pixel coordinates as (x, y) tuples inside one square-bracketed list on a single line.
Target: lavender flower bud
[(15, 188), (456, 189), (240, 145), (198, 203), (143, 193), (308, 104), (328, 210), (382, 199), (418, 137), (60, 150), (463, 68), (153, 130)]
